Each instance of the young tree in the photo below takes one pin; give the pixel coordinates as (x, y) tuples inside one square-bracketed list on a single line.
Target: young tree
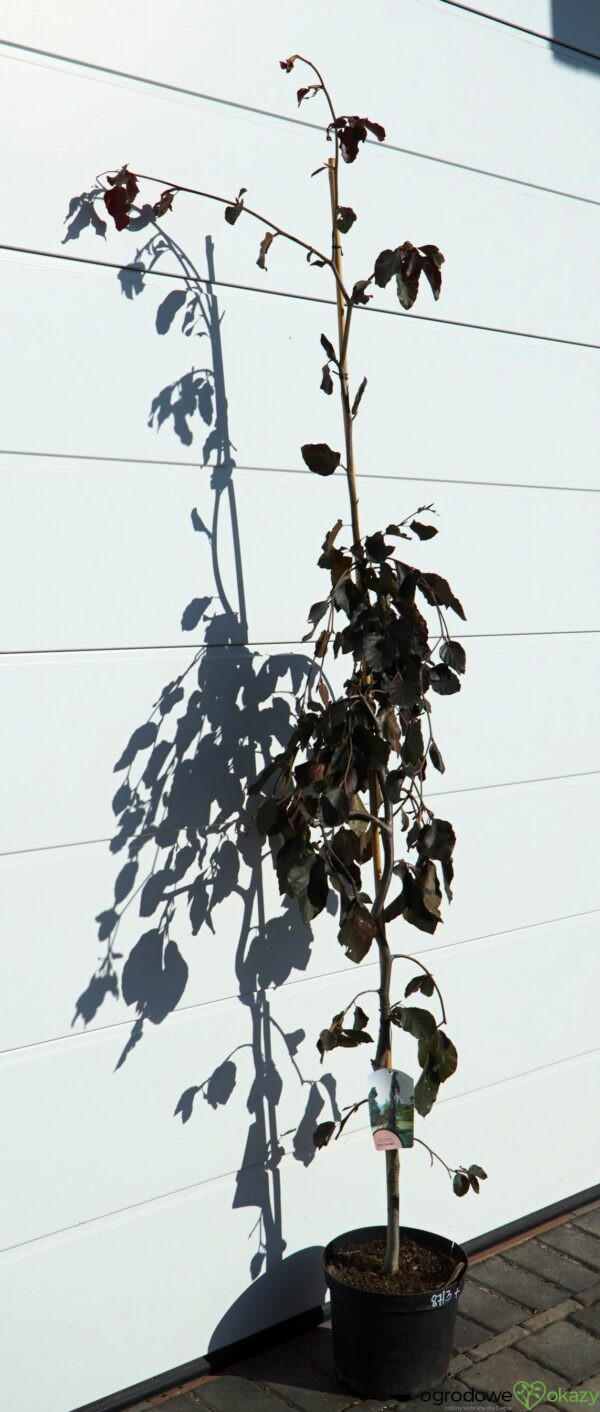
[(350, 781)]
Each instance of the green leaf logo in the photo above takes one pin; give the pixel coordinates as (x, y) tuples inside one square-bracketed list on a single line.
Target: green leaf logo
[(529, 1394)]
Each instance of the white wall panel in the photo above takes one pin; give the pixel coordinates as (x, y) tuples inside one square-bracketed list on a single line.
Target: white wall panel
[(90, 708), (72, 1085), (63, 1291), (506, 879), (472, 218), (114, 1209), (85, 544), (453, 66), (506, 410)]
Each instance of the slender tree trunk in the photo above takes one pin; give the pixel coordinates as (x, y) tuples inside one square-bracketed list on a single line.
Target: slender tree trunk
[(383, 1057)]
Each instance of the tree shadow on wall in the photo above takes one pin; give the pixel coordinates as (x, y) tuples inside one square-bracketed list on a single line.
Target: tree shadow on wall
[(183, 825)]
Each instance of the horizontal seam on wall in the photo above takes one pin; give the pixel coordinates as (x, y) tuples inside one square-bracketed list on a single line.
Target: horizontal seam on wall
[(433, 794), (523, 29), (198, 468), (304, 298), (223, 1177), (323, 976), (292, 120), (244, 647)]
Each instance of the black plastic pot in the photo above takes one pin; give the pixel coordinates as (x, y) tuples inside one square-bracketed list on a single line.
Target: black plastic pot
[(393, 1345)]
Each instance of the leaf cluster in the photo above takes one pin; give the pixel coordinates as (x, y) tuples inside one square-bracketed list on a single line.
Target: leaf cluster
[(315, 810), (467, 1179), (120, 198), (436, 1053)]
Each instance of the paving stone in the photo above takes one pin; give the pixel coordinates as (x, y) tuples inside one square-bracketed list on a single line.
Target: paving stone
[(230, 1394), (565, 1349), (493, 1345), (500, 1372), (296, 1381), (589, 1296), (374, 1404), (456, 1364), (588, 1319), (582, 1245), (178, 1402), (549, 1316), (424, 1403), (590, 1221), (487, 1308), (467, 1333), (317, 1348), (590, 1384), (551, 1264), (522, 1285)]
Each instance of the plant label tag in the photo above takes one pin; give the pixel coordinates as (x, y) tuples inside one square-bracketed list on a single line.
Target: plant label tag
[(391, 1109)]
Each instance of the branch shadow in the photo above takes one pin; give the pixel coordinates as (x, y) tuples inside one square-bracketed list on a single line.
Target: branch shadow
[(183, 829)]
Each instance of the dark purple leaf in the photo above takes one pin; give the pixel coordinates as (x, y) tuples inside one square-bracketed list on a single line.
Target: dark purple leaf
[(431, 265), (326, 380), (443, 680), (454, 655), (320, 458), (351, 131), (359, 295), (359, 396), (423, 531), (356, 933), (345, 219), (328, 348), (436, 757), (322, 1134), (265, 245), (308, 92), (233, 212), (388, 263), (120, 198), (165, 202), (437, 591)]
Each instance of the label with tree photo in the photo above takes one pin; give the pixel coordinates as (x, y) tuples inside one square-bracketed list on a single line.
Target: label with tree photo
[(391, 1108)]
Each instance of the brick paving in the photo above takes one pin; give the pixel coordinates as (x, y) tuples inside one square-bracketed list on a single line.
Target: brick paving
[(530, 1313)]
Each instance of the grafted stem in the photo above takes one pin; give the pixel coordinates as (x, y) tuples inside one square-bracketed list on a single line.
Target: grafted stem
[(381, 873)]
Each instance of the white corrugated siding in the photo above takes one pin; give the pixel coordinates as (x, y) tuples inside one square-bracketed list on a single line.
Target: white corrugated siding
[(127, 1235)]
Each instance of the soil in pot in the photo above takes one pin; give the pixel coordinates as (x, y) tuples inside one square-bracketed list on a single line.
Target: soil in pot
[(421, 1269)]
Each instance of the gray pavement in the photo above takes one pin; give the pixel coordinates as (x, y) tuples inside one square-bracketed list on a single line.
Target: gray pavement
[(529, 1313)]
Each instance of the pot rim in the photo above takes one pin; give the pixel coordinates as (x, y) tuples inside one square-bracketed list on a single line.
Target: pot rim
[(421, 1299)]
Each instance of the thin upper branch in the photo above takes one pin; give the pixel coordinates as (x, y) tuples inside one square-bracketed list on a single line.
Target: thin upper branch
[(248, 211)]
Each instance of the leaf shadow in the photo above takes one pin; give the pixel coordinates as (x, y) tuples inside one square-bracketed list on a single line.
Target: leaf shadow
[(183, 827)]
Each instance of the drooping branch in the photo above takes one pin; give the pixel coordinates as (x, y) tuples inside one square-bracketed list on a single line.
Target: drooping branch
[(400, 956), (174, 187)]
